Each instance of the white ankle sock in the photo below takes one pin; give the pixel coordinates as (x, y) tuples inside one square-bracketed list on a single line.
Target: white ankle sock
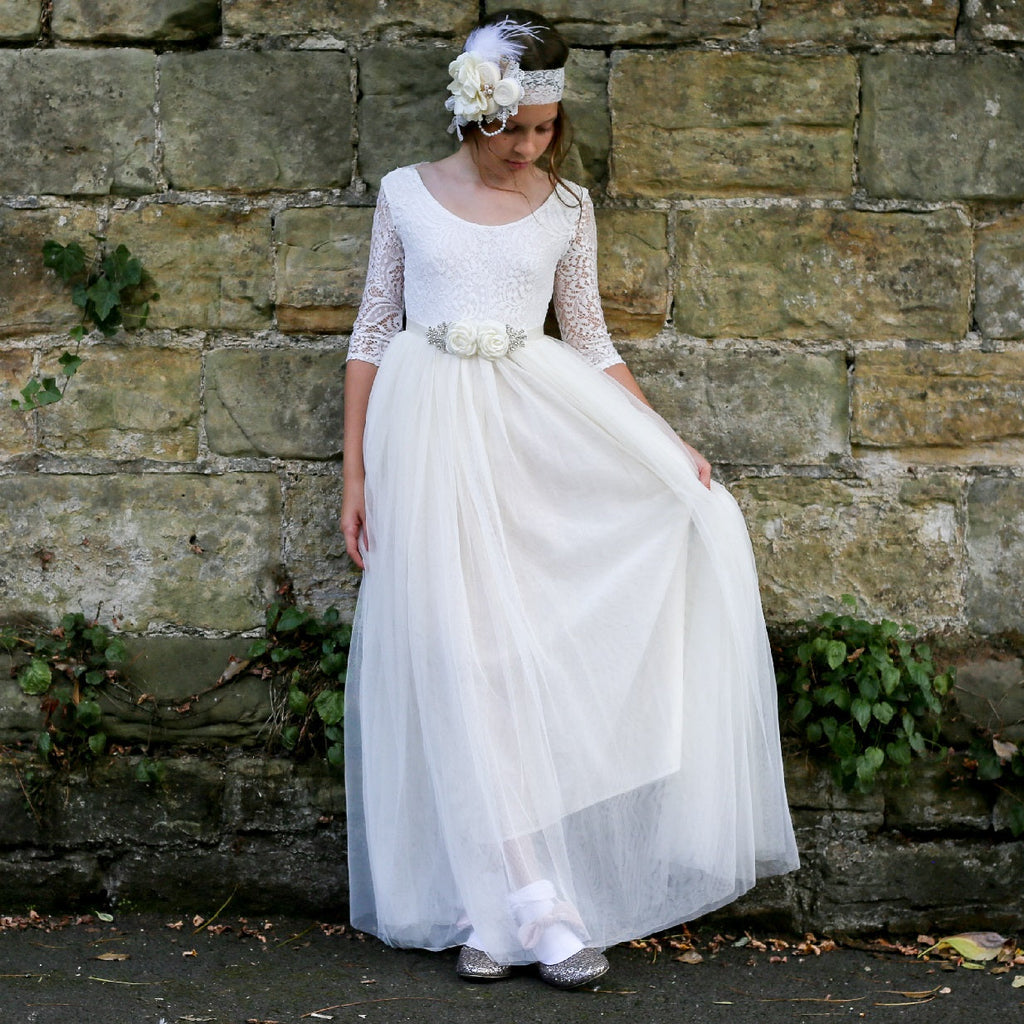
[(557, 940)]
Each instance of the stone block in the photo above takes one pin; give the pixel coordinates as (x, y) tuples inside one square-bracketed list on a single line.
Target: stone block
[(922, 398), (823, 274), (286, 403), (739, 124), (45, 880), (112, 808), (931, 803), (633, 268), (33, 299), (857, 22), (264, 795), (77, 122), (127, 402), (602, 22), (181, 550), (999, 298), (119, 21), (402, 119), (186, 702), (353, 18), (20, 19), (989, 693), (321, 572), (995, 547), (23, 822), (586, 106), (238, 119), (815, 539), (17, 430), (210, 264), (322, 253), (915, 887), (995, 20), (940, 127), (749, 407)]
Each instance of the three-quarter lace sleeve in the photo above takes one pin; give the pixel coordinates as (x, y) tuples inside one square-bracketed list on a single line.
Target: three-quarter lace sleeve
[(381, 310), (577, 299)]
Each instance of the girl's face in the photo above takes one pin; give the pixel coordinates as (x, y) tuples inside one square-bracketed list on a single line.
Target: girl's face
[(525, 139)]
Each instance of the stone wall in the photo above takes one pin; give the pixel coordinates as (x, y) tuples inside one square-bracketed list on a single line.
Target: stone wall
[(812, 255)]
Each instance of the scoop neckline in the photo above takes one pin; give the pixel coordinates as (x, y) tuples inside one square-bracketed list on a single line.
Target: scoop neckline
[(415, 168)]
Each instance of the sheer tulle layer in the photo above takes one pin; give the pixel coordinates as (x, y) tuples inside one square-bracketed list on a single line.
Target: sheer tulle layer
[(559, 669)]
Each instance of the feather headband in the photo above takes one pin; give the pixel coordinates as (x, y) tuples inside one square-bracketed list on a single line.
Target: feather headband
[(489, 85)]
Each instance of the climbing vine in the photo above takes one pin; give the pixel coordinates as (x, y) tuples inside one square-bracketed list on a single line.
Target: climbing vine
[(110, 289)]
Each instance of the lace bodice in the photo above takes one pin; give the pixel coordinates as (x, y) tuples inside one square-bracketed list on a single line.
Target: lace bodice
[(434, 266)]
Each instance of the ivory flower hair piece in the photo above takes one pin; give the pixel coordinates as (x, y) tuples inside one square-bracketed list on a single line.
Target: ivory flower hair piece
[(487, 82)]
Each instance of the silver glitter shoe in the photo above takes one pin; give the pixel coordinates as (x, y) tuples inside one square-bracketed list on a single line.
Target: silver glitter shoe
[(579, 969), (476, 965)]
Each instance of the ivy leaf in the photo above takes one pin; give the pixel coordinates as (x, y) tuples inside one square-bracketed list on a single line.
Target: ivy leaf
[(123, 269), (67, 260), (69, 364), (98, 743), (88, 714), (330, 706), (835, 653), (104, 297), (336, 755), (291, 618), (298, 702), (35, 677), (861, 711)]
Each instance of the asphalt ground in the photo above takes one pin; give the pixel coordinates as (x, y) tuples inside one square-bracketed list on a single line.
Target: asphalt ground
[(159, 969)]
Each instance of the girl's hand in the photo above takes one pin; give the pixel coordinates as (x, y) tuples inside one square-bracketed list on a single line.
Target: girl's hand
[(353, 520), (702, 465)]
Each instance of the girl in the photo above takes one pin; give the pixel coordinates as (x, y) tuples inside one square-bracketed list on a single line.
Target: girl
[(561, 708)]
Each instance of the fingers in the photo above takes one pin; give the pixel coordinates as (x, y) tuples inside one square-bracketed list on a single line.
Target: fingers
[(351, 532)]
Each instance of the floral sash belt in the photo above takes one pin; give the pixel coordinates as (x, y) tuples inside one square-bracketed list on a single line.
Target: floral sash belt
[(489, 339)]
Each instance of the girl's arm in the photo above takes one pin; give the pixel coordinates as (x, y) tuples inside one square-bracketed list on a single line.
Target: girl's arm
[(359, 377)]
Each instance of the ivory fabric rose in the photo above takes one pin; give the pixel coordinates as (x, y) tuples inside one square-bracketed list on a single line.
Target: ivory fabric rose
[(461, 339), (491, 339), (507, 93), (472, 85)]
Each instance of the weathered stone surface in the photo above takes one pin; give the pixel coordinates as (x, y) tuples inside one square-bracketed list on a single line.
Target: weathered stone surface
[(183, 550), (990, 695), (633, 268), (321, 572), (995, 546), (120, 21), (282, 402), (739, 124), (277, 795), (857, 21), (911, 888), (32, 298), (950, 399), (932, 803), (36, 877), (599, 22), (749, 407), (184, 705), (817, 539), (352, 18), (77, 122), (586, 106), (402, 119), (322, 254), (942, 127), (210, 264), (17, 434), (128, 402), (253, 120), (823, 274), (20, 19), (999, 301), (996, 20)]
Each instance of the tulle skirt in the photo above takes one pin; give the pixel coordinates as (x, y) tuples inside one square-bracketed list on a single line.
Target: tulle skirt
[(559, 667)]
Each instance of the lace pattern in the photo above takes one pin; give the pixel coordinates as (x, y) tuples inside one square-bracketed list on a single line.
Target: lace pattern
[(438, 268)]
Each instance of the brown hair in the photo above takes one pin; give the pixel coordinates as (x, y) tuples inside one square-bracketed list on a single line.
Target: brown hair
[(544, 50)]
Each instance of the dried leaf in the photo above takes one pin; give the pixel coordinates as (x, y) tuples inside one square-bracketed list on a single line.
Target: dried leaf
[(971, 945), (1018, 982), (113, 956), (1004, 751), (691, 956)]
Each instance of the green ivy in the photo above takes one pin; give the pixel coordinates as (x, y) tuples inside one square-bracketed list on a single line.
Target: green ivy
[(865, 694), (308, 656), (999, 763), (111, 289), (67, 668)]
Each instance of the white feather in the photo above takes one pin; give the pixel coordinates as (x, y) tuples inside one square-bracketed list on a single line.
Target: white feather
[(504, 40)]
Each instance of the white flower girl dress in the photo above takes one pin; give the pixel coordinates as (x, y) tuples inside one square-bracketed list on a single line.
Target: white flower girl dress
[(559, 672)]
